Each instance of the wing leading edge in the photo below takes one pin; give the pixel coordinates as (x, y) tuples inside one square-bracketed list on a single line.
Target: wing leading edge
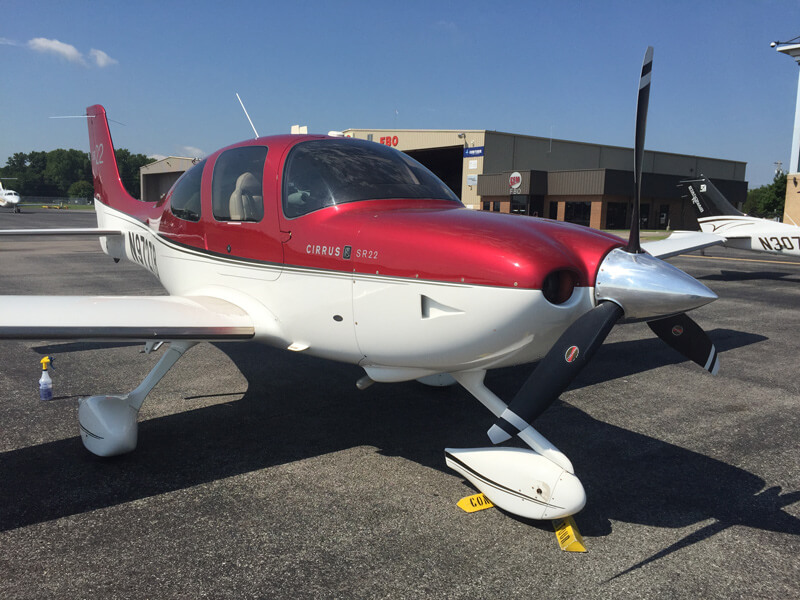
[(200, 318), (681, 242), (88, 231)]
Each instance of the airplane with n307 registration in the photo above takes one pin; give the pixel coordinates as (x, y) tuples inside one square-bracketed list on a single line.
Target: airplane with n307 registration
[(717, 216), (350, 250)]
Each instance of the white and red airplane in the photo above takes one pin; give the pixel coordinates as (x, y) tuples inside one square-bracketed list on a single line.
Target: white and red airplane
[(735, 229), (352, 251)]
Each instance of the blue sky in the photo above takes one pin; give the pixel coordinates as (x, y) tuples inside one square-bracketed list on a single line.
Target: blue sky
[(170, 71)]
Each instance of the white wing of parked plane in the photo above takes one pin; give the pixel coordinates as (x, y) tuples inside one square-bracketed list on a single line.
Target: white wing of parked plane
[(124, 318), (681, 242)]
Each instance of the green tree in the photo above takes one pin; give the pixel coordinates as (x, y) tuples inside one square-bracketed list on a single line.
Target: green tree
[(81, 189), (768, 200), (17, 162), (129, 165), (65, 167), (53, 173)]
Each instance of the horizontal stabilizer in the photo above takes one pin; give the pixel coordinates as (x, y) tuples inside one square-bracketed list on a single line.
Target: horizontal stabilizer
[(89, 231), (681, 242), (123, 318)]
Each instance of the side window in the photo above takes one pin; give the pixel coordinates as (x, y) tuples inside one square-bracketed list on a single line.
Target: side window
[(185, 199), (236, 190), (305, 188)]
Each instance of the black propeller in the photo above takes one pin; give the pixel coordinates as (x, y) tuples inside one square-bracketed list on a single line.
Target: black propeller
[(642, 102), (688, 338), (556, 370), (580, 341)]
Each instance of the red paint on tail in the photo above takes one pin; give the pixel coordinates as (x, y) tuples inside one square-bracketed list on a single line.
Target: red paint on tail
[(108, 187)]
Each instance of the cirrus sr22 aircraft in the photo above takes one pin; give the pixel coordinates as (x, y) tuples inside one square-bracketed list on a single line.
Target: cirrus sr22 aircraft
[(350, 250)]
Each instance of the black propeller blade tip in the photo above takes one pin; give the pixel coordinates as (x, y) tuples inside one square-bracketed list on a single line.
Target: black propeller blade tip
[(642, 103)]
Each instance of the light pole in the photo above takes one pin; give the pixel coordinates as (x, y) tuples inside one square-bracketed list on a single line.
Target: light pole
[(793, 50)]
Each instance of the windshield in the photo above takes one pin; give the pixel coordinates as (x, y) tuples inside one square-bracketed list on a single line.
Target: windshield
[(322, 173)]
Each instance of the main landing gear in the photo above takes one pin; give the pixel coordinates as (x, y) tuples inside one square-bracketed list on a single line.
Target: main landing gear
[(109, 423)]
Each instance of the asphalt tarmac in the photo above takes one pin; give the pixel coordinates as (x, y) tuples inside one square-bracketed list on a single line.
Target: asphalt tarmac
[(267, 474)]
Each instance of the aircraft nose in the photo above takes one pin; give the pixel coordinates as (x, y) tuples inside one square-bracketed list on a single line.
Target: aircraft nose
[(648, 288)]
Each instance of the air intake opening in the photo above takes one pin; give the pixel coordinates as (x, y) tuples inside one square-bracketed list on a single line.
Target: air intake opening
[(558, 286)]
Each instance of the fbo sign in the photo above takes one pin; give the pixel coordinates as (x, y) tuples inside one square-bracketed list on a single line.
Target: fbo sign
[(515, 180)]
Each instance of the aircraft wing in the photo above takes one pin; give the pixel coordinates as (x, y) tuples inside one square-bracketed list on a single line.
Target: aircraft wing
[(92, 231), (123, 318), (681, 242)]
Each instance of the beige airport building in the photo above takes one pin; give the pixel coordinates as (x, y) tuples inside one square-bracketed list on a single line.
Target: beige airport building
[(791, 208), (583, 183)]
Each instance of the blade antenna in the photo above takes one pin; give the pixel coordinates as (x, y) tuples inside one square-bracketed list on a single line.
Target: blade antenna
[(638, 150), (247, 115)]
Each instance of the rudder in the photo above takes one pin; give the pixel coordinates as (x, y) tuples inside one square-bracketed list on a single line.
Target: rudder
[(108, 187), (707, 200)]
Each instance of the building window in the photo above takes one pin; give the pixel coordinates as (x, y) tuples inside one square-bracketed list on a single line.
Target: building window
[(519, 205), (579, 213), (663, 216), (644, 216), (486, 205), (616, 215)]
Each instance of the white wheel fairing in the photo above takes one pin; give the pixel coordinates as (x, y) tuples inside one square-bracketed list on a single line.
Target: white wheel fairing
[(520, 481)]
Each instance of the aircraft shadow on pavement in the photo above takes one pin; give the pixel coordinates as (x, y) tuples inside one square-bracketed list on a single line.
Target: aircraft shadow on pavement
[(724, 275), (621, 359), (287, 416)]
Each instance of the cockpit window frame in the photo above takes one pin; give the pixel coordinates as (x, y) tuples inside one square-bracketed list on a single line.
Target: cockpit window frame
[(237, 186), (186, 194), (321, 173)]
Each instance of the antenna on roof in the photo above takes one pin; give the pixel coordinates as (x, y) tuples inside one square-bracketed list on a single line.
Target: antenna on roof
[(246, 115)]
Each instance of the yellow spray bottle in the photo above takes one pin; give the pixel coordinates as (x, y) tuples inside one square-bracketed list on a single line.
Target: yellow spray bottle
[(45, 382)]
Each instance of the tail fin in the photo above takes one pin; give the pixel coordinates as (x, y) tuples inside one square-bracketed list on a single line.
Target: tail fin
[(108, 187), (708, 201)]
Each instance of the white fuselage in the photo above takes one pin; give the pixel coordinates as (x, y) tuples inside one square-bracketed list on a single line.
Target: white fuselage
[(8, 198), (751, 233), (397, 329)]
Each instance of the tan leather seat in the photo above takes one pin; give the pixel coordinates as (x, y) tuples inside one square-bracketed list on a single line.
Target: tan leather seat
[(246, 203)]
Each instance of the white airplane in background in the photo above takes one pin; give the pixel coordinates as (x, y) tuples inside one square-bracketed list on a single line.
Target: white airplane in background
[(9, 198), (350, 250), (719, 217)]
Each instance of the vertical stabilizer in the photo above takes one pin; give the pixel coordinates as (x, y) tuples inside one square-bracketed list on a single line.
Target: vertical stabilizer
[(108, 187), (707, 200)]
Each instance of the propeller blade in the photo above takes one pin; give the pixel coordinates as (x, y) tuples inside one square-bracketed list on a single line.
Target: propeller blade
[(556, 370), (688, 338), (638, 150)]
